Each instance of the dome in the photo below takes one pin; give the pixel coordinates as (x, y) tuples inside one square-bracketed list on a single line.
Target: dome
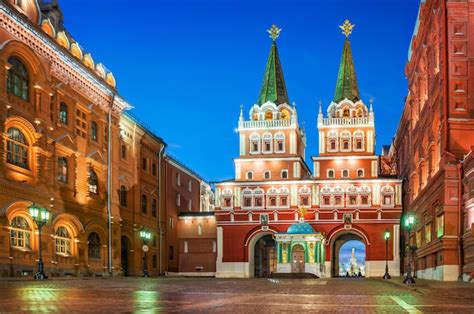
[(301, 228)]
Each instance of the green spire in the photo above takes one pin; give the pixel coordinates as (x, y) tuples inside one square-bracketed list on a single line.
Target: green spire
[(273, 85), (346, 86)]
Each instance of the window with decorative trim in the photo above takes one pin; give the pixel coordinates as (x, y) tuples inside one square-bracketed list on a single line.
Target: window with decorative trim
[(255, 144), (63, 241), (267, 174), (360, 173), (227, 198), (279, 142), (144, 204), (284, 174), (18, 79), (358, 141), (94, 131), (123, 196), (332, 142), (93, 182), (258, 195), (63, 113), (440, 225), (20, 233), (387, 196), (249, 175), (304, 196), (428, 232), (345, 141), (17, 148), (247, 198), (63, 169), (267, 141), (345, 173), (93, 245)]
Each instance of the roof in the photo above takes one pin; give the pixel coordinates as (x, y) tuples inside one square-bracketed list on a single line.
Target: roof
[(300, 228), (346, 86), (273, 86), (185, 168), (143, 125), (195, 214)]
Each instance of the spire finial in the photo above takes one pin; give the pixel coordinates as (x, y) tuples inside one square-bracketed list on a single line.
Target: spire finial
[(347, 28), (274, 32), (241, 112), (320, 107), (371, 101)]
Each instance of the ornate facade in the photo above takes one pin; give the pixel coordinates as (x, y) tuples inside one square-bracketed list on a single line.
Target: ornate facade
[(347, 197), (67, 146), (434, 134)]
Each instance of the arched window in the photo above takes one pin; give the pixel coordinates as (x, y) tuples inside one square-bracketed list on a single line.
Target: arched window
[(346, 113), (345, 173), (93, 182), (93, 245), (332, 141), (279, 142), (358, 141), (254, 144), (62, 169), (63, 241), (255, 115), (330, 173), (123, 196), (144, 204), (267, 174), (20, 233), (247, 198), (94, 131), (267, 143), (345, 141), (17, 148), (268, 115), (285, 114), (284, 197), (17, 80), (360, 173), (63, 113), (249, 175), (284, 174)]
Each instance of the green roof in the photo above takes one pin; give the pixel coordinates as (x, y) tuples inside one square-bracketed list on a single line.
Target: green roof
[(346, 86), (273, 85)]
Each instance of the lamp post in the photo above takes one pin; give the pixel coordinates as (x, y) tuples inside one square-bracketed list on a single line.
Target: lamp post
[(41, 217), (145, 236), (409, 222), (386, 236)]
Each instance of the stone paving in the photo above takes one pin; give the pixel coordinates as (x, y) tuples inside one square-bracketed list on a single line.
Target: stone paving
[(205, 295)]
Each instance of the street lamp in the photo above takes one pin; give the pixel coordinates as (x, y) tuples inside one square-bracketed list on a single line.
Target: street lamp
[(41, 217), (409, 222), (386, 236), (145, 236)]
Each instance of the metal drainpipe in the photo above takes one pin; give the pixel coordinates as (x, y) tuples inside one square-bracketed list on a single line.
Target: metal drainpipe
[(160, 229), (460, 219), (109, 186)]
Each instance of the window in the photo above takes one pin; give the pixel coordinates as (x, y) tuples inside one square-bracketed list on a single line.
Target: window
[(227, 202), (428, 233), (20, 233), (200, 229), (171, 222), (327, 200), (345, 173), (345, 144), (284, 174), (93, 182), (330, 173), (387, 199), (190, 205), (332, 144), (154, 240), (144, 204), (153, 207), (267, 174), (62, 169), (17, 79), (178, 199), (305, 200), (352, 200), (63, 241), (418, 239), (284, 201), (268, 115), (279, 143), (178, 179), (254, 144), (272, 201), (123, 151), (190, 186), (63, 113), (249, 175), (123, 196), (247, 202), (154, 262), (358, 144), (440, 225), (258, 201), (81, 124), (171, 252), (144, 163), (153, 169), (94, 131), (364, 200), (360, 173), (267, 143), (93, 245), (337, 200), (17, 148)]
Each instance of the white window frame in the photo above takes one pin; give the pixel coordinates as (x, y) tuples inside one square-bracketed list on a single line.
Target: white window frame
[(254, 138), (227, 193), (358, 135), (279, 137), (269, 175), (302, 193), (247, 193), (332, 136), (348, 173), (287, 174), (267, 138), (333, 171), (345, 136), (387, 190), (283, 192), (178, 179), (190, 205), (363, 172), (178, 199), (258, 193), (247, 175)]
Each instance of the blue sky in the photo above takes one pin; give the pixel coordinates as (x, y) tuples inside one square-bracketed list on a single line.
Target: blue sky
[(345, 252), (186, 66)]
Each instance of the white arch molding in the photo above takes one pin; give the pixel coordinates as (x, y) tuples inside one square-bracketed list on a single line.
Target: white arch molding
[(250, 247)]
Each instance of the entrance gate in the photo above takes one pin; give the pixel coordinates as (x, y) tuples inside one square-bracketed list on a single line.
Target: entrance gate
[(265, 257), (297, 263)]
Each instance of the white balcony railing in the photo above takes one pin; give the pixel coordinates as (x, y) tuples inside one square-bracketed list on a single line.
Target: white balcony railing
[(347, 121), (265, 124)]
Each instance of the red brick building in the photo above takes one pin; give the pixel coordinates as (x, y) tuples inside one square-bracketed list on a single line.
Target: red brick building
[(434, 135), (278, 217), (190, 233)]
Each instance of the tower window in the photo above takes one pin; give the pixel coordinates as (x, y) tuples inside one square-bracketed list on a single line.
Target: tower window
[(267, 174), (284, 174), (345, 173), (123, 151), (249, 175), (360, 173), (330, 173)]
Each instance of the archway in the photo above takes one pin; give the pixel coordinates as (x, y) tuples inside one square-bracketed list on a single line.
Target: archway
[(349, 255), (264, 256), (297, 259), (124, 258)]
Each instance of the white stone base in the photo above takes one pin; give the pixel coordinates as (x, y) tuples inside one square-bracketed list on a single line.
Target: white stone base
[(444, 273), (377, 268), (284, 268), (233, 270), (190, 274)]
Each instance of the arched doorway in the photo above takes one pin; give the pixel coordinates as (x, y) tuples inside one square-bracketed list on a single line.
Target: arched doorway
[(349, 254), (265, 256), (297, 259), (124, 259)]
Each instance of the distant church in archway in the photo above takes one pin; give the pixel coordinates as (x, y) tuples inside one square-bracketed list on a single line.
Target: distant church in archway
[(276, 216)]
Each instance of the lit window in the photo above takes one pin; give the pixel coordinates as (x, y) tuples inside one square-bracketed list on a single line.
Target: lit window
[(440, 225), (93, 245), (200, 229), (63, 113), (62, 169), (63, 241), (17, 79), (94, 131), (178, 199), (20, 233), (428, 233), (93, 182), (17, 148), (190, 205)]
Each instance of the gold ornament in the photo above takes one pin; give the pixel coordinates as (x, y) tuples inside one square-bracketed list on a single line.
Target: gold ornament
[(347, 28), (274, 32)]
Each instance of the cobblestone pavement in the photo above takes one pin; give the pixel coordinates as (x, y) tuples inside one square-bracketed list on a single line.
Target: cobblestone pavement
[(204, 295)]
